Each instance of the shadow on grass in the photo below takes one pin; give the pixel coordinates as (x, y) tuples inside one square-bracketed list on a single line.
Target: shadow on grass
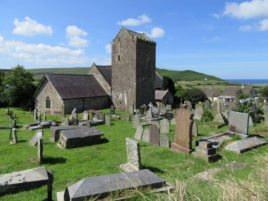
[(54, 160), (153, 169)]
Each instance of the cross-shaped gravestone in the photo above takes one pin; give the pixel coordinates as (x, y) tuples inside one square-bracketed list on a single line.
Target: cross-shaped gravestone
[(133, 156), (34, 140)]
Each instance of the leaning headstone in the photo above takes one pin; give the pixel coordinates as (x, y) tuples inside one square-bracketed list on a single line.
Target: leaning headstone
[(24, 180), (183, 133), (139, 132), (34, 140), (102, 186), (14, 136), (245, 144), (164, 141), (195, 129), (133, 156), (107, 120), (164, 126), (239, 122), (154, 135), (40, 150)]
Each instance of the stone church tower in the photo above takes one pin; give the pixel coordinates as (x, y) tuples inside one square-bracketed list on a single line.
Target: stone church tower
[(133, 69)]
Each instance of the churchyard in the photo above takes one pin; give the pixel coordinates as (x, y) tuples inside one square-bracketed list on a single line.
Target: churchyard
[(232, 177)]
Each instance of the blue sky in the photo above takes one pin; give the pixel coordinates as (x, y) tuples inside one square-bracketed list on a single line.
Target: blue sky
[(226, 39)]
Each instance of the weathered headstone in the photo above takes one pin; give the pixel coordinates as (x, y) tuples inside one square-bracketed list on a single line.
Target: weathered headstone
[(107, 120), (146, 135), (14, 136), (183, 133), (136, 121), (239, 122), (245, 144), (139, 132), (198, 112), (133, 156), (85, 116), (40, 150), (103, 186), (34, 140), (154, 135), (164, 126), (25, 180), (164, 141)]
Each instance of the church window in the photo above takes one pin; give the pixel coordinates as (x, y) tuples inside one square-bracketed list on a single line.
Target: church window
[(48, 103), (118, 58)]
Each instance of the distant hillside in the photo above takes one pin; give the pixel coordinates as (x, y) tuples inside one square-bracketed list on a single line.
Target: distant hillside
[(186, 75)]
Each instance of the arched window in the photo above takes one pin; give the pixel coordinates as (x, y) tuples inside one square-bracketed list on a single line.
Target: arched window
[(48, 103)]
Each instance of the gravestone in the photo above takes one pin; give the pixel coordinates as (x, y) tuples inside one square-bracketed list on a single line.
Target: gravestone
[(136, 121), (25, 180), (146, 135), (14, 136), (40, 150), (133, 156), (265, 111), (164, 141), (154, 137), (195, 129), (139, 132), (149, 115), (34, 141), (239, 122), (173, 121), (35, 114), (107, 120), (183, 133), (198, 112), (244, 145), (102, 186), (55, 131), (164, 126), (85, 116)]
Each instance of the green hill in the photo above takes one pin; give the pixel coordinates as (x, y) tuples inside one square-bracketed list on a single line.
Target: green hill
[(186, 75)]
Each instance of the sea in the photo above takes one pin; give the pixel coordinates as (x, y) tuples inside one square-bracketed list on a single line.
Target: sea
[(248, 81)]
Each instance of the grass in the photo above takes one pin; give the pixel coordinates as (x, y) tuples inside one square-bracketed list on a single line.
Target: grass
[(69, 166)]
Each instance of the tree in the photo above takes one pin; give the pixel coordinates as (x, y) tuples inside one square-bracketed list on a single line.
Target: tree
[(19, 88), (168, 83), (264, 92), (194, 95), (2, 102)]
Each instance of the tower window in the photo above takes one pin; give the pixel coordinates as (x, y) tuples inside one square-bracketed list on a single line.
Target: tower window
[(48, 103), (118, 58)]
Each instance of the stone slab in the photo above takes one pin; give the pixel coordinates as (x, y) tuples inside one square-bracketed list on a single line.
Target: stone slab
[(245, 144), (102, 186), (55, 131)]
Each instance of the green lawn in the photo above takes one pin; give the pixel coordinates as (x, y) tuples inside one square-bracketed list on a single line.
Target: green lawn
[(71, 165)]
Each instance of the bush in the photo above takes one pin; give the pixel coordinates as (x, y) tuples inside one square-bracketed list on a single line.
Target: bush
[(207, 116), (194, 95)]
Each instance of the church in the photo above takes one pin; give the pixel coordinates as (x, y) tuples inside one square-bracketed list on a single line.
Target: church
[(128, 83)]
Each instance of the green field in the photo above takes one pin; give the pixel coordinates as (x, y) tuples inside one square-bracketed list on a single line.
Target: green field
[(71, 165)]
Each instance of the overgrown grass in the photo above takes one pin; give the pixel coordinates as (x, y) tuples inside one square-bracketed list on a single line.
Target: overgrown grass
[(69, 166)]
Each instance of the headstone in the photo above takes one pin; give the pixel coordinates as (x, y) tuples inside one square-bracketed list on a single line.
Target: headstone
[(107, 120), (136, 121), (164, 126), (133, 156), (85, 116), (195, 129), (198, 112), (239, 122), (146, 135), (173, 121), (25, 180), (40, 150), (245, 144), (164, 141), (183, 133), (34, 140), (139, 132), (150, 112), (103, 186), (35, 114), (14, 136), (206, 151), (154, 135), (265, 111)]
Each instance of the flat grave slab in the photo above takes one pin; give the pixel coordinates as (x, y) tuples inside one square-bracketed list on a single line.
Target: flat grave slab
[(55, 131), (102, 186), (245, 144), (79, 137)]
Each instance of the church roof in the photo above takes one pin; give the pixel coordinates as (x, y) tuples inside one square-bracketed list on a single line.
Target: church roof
[(76, 86), (106, 72)]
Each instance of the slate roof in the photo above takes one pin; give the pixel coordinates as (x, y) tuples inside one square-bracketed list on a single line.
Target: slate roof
[(211, 92), (106, 72), (232, 90), (76, 86)]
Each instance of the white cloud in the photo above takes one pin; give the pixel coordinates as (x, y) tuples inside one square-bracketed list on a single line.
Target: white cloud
[(263, 25), (108, 48), (247, 9), (157, 32), (246, 28), (75, 36), (41, 54), (30, 27), (140, 20)]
